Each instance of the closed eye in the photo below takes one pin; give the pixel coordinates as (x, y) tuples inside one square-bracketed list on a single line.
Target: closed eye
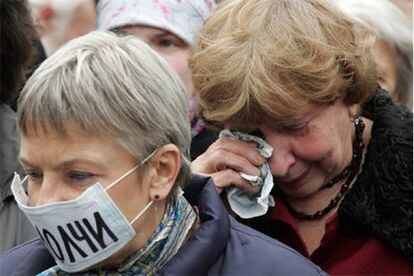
[(258, 133), (296, 128)]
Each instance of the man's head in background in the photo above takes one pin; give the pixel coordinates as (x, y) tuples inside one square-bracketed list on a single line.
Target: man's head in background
[(59, 21)]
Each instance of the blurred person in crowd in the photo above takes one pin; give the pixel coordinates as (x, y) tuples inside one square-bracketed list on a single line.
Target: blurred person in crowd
[(40, 56), (105, 145), (17, 52), (407, 7), (298, 76), (393, 48), (59, 21), (170, 28)]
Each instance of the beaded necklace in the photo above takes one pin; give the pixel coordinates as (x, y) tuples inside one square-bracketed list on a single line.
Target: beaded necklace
[(350, 172)]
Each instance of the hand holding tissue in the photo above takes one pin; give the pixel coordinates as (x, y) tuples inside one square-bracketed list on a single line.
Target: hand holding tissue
[(245, 204)]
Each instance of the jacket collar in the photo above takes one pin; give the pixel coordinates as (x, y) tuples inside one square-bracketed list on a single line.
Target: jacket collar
[(380, 201), (208, 242)]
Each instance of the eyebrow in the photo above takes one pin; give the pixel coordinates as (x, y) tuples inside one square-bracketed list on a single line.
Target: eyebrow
[(25, 162), (288, 124), (292, 123), (160, 33), (65, 164), (164, 33)]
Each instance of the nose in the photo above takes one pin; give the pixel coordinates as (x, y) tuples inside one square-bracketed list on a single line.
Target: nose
[(48, 191), (283, 157)]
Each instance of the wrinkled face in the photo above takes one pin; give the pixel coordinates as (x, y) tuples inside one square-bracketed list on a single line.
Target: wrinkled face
[(386, 60), (170, 47), (313, 150), (61, 168)]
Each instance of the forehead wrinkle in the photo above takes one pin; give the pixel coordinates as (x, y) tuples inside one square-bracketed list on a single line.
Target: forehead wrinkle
[(47, 139), (67, 156)]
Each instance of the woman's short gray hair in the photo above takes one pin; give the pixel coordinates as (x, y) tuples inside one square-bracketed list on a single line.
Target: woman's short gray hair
[(111, 86), (389, 23)]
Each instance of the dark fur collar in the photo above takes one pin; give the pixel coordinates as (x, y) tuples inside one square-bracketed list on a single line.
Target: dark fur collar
[(380, 202)]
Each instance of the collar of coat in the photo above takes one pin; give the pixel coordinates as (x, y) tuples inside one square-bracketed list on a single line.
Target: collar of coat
[(380, 202)]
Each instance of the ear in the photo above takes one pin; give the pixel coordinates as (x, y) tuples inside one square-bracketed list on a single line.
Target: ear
[(352, 111), (165, 166)]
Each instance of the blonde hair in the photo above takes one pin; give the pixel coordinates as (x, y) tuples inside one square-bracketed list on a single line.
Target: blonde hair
[(261, 60)]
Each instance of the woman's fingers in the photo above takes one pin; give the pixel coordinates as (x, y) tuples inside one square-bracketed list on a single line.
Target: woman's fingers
[(225, 159), (222, 160), (246, 149), (229, 153), (229, 177)]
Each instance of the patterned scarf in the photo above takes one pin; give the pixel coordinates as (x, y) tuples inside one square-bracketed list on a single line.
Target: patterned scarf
[(167, 239)]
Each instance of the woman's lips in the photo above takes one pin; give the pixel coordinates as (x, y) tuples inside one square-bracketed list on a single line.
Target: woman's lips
[(298, 181)]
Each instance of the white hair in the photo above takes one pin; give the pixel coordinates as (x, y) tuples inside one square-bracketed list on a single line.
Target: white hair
[(110, 86), (389, 23)]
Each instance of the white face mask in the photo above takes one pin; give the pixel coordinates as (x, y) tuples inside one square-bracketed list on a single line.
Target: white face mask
[(82, 232)]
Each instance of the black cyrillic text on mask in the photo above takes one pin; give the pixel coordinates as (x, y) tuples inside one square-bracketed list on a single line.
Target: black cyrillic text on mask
[(70, 238)]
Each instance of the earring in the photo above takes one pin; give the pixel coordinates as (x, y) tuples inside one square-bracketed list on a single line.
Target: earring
[(357, 121), (353, 118), (359, 128), (156, 196)]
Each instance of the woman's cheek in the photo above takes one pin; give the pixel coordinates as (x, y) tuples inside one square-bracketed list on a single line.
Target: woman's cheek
[(312, 148), (32, 193), (178, 61)]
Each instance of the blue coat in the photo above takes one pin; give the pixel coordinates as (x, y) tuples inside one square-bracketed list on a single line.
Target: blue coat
[(219, 246)]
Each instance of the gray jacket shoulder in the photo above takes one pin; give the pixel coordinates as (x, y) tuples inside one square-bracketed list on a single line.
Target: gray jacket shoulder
[(14, 225)]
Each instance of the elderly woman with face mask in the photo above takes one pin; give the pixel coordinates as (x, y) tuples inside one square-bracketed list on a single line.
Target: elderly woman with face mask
[(104, 143), (316, 154), (170, 28)]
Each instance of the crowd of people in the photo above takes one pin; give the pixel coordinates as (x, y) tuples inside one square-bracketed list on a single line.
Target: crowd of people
[(195, 137)]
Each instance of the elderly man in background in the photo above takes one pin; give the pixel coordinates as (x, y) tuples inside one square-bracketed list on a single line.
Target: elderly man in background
[(59, 21), (393, 48)]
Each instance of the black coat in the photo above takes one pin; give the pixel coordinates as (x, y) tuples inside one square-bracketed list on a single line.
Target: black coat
[(380, 202)]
